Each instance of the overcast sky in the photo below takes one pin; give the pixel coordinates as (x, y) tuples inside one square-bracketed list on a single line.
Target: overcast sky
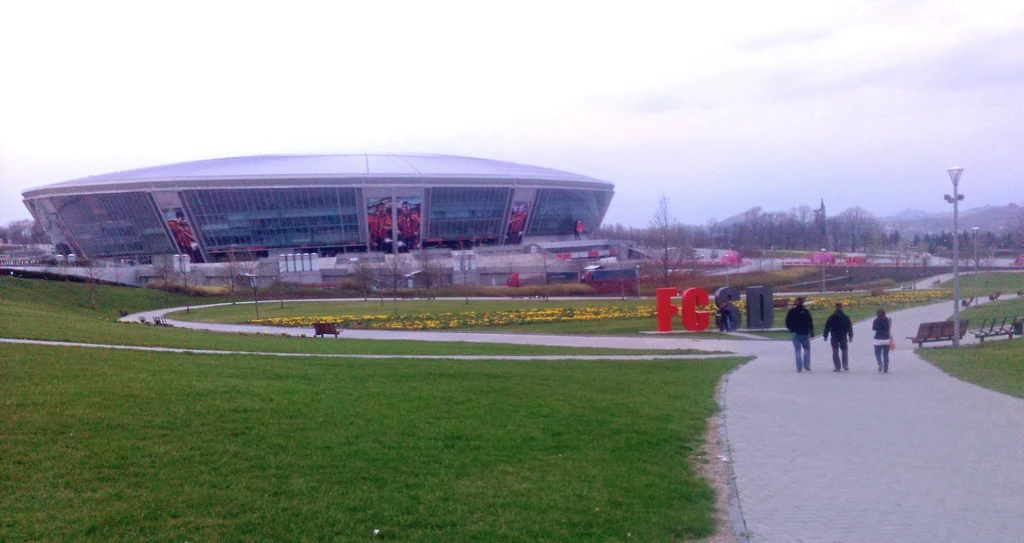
[(718, 105)]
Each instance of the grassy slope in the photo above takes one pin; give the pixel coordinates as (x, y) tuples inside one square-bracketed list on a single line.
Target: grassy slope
[(55, 310), (998, 364), (242, 313), (1003, 308), (988, 283), (119, 446)]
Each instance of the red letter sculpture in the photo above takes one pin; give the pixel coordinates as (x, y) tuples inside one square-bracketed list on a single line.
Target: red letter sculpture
[(665, 309), (694, 320)]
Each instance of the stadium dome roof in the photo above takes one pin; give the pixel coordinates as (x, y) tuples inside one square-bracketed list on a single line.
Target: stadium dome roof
[(297, 167)]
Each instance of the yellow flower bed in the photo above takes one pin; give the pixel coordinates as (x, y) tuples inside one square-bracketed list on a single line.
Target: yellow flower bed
[(443, 321), (470, 319), (889, 299)]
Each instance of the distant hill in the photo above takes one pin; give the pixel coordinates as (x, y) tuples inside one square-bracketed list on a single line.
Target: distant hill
[(990, 218), (914, 221)]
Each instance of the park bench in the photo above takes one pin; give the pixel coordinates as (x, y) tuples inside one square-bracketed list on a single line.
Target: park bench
[(322, 328), (159, 321), (937, 331), (967, 302), (780, 302), (907, 287), (1003, 329), (123, 313), (878, 292), (143, 320), (995, 296)]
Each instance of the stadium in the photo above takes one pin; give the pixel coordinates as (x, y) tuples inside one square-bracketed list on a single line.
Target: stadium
[(320, 205)]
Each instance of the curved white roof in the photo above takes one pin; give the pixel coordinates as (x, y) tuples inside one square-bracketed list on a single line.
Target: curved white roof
[(321, 167)]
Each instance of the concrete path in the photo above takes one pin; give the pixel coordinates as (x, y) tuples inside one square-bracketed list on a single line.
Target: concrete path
[(560, 357), (912, 455), (609, 342)]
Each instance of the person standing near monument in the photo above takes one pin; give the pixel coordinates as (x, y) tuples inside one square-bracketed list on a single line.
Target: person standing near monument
[(801, 325), (839, 325)]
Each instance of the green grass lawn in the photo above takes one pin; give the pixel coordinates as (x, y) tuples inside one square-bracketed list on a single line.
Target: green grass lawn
[(62, 311), (988, 283), (1003, 308), (127, 446), (997, 364)]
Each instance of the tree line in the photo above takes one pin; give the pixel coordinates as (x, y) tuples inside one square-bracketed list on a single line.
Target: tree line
[(799, 229)]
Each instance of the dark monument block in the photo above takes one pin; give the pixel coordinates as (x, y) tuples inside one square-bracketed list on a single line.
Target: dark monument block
[(730, 294), (760, 308)]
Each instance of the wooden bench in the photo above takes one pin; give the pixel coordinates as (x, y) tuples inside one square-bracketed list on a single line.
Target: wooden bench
[(1003, 329), (159, 321), (780, 302), (995, 296), (967, 302), (322, 328), (937, 331), (907, 287)]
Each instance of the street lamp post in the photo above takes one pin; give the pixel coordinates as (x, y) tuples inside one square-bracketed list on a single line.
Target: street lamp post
[(638, 280), (823, 251), (976, 270), (954, 176), (253, 281)]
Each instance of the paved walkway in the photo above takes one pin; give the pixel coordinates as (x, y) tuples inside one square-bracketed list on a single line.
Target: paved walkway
[(913, 455), (560, 357)]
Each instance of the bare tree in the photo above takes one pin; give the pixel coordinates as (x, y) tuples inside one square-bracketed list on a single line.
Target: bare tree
[(431, 270), (232, 263), (251, 272), (92, 274), (667, 240), (855, 222), (396, 267), (365, 276)]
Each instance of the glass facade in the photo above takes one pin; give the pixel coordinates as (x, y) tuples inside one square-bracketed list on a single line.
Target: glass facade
[(116, 224), (227, 219), (207, 223), (466, 212), (558, 210)]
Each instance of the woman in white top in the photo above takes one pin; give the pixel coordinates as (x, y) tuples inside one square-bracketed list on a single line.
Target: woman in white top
[(883, 328)]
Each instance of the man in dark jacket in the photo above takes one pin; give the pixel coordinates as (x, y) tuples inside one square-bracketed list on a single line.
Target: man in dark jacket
[(839, 325), (800, 323)]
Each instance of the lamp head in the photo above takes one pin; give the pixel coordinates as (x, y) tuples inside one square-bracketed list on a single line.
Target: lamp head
[(954, 174)]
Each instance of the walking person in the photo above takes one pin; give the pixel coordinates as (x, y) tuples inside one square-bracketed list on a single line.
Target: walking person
[(882, 326), (801, 325), (839, 325)]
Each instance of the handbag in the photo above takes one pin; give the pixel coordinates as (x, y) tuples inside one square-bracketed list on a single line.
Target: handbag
[(892, 344)]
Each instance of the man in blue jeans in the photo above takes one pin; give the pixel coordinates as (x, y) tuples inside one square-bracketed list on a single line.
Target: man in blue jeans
[(800, 323)]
